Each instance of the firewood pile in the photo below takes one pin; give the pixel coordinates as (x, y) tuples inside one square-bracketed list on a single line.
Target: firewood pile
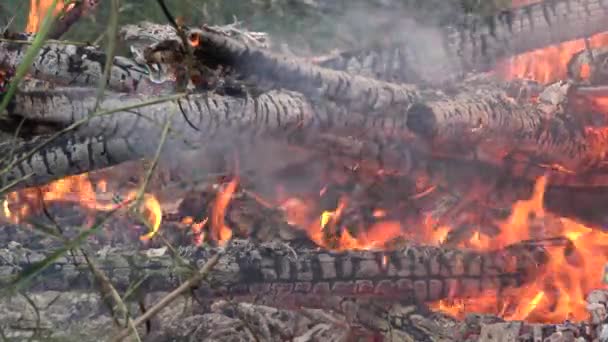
[(405, 192)]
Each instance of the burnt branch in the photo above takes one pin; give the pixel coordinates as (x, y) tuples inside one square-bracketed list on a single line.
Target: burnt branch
[(489, 126)]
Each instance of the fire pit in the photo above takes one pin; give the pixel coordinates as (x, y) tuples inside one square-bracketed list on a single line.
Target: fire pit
[(222, 191)]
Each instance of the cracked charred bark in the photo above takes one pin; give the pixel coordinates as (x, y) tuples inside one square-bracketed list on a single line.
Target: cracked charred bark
[(499, 128), (61, 157), (483, 119), (273, 271), (358, 93), (75, 65)]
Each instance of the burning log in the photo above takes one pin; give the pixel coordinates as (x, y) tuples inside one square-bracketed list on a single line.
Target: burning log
[(274, 270), (480, 42)]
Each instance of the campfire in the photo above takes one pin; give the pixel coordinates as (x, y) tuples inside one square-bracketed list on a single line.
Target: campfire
[(472, 203)]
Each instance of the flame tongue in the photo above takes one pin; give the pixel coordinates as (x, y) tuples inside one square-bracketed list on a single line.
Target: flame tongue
[(77, 189), (558, 291), (38, 9)]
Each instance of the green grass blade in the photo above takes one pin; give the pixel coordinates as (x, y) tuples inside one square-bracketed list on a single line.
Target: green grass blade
[(112, 34)]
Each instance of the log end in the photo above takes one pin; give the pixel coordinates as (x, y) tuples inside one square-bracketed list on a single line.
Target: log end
[(421, 120)]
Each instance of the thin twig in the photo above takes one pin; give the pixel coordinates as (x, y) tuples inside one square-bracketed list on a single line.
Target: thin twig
[(197, 278)]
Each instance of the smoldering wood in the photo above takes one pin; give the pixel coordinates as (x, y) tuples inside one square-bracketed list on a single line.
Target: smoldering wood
[(274, 270), (395, 322), (201, 118), (246, 216), (477, 42)]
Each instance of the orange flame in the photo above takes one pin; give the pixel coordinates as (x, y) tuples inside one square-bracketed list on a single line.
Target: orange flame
[(548, 64), (38, 9), (220, 232), (18, 205), (558, 290)]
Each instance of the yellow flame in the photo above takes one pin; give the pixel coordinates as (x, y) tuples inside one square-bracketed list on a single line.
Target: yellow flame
[(153, 214)]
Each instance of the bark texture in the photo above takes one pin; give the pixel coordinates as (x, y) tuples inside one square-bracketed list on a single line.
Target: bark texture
[(499, 129), (474, 127), (479, 42), (273, 270), (36, 162), (357, 92), (199, 117), (73, 64)]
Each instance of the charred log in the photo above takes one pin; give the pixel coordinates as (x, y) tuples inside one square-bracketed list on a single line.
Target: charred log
[(273, 270), (356, 92), (500, 129), (73, 65), (198, 119), (194, 118), (478, 42), (40, 160)]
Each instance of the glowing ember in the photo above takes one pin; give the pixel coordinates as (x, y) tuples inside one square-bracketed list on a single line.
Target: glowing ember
[(38, 9)]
